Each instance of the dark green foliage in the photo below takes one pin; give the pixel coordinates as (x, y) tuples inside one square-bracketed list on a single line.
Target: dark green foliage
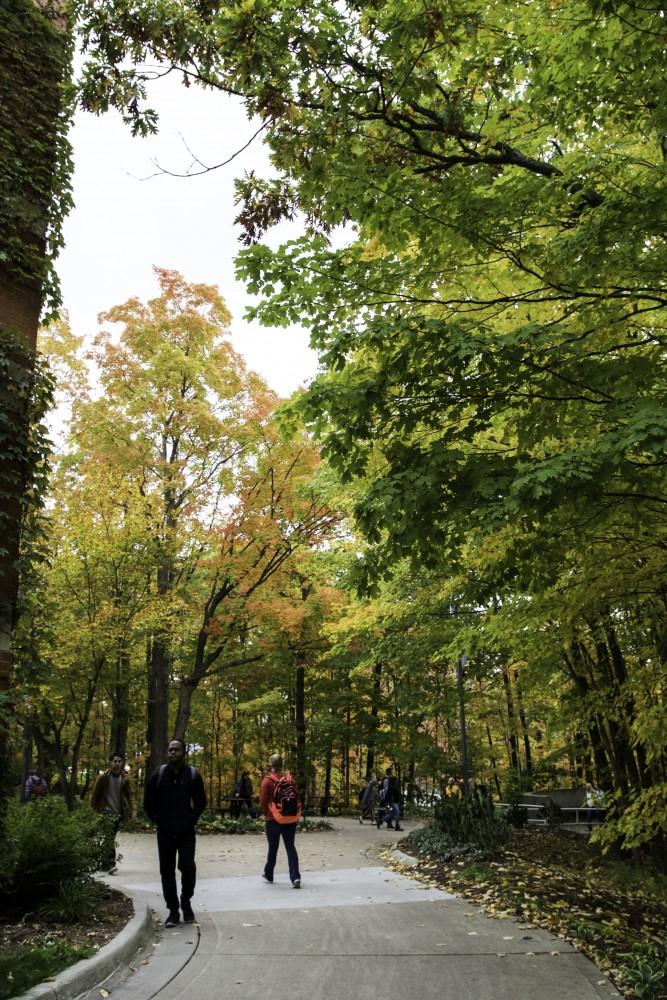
[(45, 845), (471, 821), (432, 840), (211, 823), (30, 965), (26, 394), (645, 970), (35, 162), (517, 816), (552, 813), (74, 901)]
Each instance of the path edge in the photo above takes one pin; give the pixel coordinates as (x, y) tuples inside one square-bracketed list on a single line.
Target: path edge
[(90, 972)]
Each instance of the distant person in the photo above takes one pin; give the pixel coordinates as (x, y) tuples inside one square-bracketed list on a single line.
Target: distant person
[(175, 799), (594, 803), (35, 787), (112, 796), (280, 803), (453, 789), (244, 794), (390, 802), (368, 798)]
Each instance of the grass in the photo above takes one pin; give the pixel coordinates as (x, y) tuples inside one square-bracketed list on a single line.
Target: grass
[(28, 965)]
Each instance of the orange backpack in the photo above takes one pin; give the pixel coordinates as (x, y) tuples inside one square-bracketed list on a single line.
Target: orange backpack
[(285, 805)]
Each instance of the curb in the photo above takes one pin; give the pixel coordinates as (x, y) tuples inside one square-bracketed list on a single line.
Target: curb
[(90, 972), (405, 859)]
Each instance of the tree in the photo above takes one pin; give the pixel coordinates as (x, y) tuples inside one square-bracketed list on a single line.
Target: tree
[(492, 329)]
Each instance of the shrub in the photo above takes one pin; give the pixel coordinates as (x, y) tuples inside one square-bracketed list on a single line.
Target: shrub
[(552, 813), (46, 845), (74, 901), (471, 821), (646, 970)]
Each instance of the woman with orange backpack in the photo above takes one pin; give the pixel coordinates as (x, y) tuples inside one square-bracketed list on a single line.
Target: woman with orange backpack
[(281, 805)]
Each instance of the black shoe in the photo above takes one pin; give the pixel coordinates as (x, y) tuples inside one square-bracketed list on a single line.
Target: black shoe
[(267, 879), (390, 826), (173, 917), (378, 823), (188, 915), (398, 828), (296, 884)]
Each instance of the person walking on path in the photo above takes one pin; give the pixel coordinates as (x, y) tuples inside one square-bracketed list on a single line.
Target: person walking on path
[(175, 799), (243, 795), (367, 800), (279, 802), (390, 800), (112, 796)]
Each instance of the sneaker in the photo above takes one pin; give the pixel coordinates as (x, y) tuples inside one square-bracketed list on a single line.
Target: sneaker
[(398, 828), (296, 884), (267, 879), (173, 918), (188, 915)]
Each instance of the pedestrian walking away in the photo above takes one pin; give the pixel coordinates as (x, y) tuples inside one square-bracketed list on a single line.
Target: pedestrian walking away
[(280, 803), (390, 801), (175, 799), (112, 796), (367, 800)]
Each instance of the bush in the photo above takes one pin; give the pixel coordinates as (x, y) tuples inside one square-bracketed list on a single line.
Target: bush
[(46, 845), (645, 970), (74, 901), (471, 821), (552, 813)]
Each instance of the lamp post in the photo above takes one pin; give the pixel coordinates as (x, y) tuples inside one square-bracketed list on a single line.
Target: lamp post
[(460, 664)]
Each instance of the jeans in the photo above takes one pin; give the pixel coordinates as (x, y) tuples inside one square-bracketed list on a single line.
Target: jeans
[(274, 831), (392, 812), (169, 845)]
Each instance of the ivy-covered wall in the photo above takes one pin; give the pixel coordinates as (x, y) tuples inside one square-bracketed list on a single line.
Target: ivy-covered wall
[(35, 168)]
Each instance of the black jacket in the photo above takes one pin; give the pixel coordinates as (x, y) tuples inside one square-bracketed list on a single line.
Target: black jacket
[(175, 800)]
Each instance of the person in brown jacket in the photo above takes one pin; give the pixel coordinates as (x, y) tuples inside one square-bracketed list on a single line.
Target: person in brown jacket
[(112, 795)]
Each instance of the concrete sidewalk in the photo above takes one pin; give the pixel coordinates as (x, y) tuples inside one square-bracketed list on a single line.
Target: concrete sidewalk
[(354, 929)]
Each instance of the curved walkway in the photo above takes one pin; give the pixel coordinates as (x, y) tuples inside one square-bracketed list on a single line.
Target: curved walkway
[(354, 929)]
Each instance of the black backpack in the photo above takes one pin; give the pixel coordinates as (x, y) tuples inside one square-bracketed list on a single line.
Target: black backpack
[(286, 797)]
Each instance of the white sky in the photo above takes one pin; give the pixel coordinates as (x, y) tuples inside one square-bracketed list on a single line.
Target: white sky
[(122, 225)]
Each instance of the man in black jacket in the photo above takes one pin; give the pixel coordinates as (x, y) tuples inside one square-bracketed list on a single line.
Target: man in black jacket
[(175, 799)]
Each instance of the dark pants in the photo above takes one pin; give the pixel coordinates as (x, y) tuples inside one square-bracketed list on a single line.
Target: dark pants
[(110, 840), (274, 831), (169, 845)]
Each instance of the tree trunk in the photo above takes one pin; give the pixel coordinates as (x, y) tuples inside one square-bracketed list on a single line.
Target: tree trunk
[(376, 697), (120, 704), (300, 723), (494, 767), (158, 704), (524, 726), (511, 720)]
